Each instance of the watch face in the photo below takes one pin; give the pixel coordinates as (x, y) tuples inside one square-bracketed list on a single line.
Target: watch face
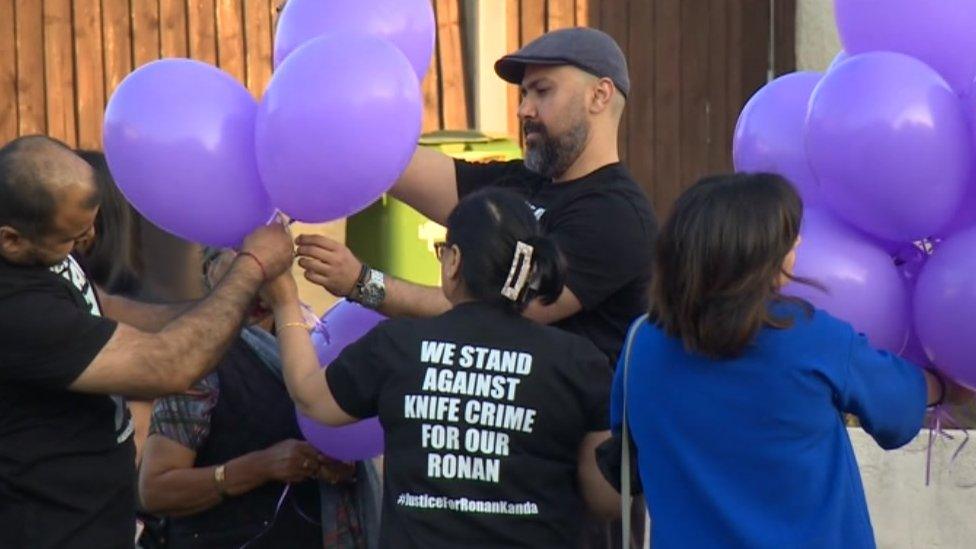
[(374, 290)]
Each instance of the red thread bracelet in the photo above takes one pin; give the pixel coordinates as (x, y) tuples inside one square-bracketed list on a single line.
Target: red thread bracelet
[(264, 274)]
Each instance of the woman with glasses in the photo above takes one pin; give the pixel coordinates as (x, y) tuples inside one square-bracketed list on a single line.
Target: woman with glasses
[(490, 419)]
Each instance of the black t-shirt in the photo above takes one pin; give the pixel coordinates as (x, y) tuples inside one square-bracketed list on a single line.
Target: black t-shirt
[(603, 224), (66, 459), (483, 413)]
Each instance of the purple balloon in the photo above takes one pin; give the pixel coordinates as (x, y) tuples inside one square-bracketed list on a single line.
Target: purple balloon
[(179, 141), (945, 298), (965, 216), (938, 32), (889, 144), (863, 285), (769, 133), (337, 125), (408, 24), (838, 59), (343, 324)]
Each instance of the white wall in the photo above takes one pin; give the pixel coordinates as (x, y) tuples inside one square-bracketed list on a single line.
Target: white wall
[(906, 513), (816, 35)]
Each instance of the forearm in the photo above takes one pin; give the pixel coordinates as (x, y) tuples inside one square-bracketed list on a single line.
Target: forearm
[(428, 184), (601, 498), (188, 347), (182, 492), (149, 317), (300, 366), (413, 300)]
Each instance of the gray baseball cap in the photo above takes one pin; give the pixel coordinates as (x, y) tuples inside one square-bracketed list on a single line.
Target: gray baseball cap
[(588, 49)]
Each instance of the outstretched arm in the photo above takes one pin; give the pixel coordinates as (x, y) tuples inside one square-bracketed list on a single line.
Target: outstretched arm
[(141, 364), (333, 266), (304, 379), (429, 184)]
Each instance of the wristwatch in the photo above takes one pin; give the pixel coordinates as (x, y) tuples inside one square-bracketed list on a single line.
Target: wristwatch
[(370, 289)]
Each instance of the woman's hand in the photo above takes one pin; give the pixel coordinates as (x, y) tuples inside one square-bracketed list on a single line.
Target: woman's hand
[(280, 290), (334, 471), (291, 461)]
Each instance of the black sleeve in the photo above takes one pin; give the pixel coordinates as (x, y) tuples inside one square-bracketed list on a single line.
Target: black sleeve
[(47, 340), (357, 375), (607, 244), (474, 176), (594, 380)]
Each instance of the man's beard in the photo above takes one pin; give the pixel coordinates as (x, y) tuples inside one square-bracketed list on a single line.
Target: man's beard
[(551, 156)]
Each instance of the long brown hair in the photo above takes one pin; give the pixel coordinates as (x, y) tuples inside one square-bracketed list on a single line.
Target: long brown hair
[(719, 261)]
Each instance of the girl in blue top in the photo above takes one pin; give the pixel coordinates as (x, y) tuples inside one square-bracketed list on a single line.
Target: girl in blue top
[(736, 394)]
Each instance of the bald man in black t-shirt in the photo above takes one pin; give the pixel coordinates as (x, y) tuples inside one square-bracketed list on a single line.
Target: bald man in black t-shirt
[(68, 353)]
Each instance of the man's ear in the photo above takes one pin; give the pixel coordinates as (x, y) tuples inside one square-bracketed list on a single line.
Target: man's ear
[(603, 93), (12, 242)]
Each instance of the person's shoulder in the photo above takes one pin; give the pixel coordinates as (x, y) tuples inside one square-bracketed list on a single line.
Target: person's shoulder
[(615, 190), (816, 327), (559, 340), (506, 173)]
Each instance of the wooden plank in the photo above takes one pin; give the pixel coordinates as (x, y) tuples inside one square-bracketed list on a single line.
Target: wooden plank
[(275, 6), (145, 32), (733, 48), (583, 12), (754, 51), (614, 21), (59, 80), (533, 19), (230, 38), (431, 88), (667, 103), (32, 115), (201, 18), (257, 45), (8, 72), (89, 73), (513, 37), (784, 36), (693, 93), (640, 108), (454, 103), (117, 41), (721, 122), (560, 14), (172, 32)]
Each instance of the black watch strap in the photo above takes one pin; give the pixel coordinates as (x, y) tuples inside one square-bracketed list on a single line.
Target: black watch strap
[(357, 290)]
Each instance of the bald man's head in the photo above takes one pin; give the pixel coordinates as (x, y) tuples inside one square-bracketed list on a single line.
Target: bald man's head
[(37, 173)]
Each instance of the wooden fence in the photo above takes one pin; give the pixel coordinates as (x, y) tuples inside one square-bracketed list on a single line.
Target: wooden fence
[(693, 64), (60, 60)]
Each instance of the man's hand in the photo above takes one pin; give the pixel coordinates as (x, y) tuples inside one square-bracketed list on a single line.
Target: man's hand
[(329, 264), (272, 245), (292, 461)]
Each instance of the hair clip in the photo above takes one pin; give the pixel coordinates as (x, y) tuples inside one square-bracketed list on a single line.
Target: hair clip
[(518, 274)]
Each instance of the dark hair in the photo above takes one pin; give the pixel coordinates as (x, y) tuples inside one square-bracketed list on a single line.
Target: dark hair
[(26, 202), (487, 226), (719, 261), (111, 262)]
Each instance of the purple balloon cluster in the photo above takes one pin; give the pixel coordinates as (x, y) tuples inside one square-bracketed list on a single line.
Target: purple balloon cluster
[(881, 148), (199, 157)]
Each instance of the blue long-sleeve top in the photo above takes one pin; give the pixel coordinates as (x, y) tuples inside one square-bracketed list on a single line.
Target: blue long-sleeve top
[(753, 451)]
